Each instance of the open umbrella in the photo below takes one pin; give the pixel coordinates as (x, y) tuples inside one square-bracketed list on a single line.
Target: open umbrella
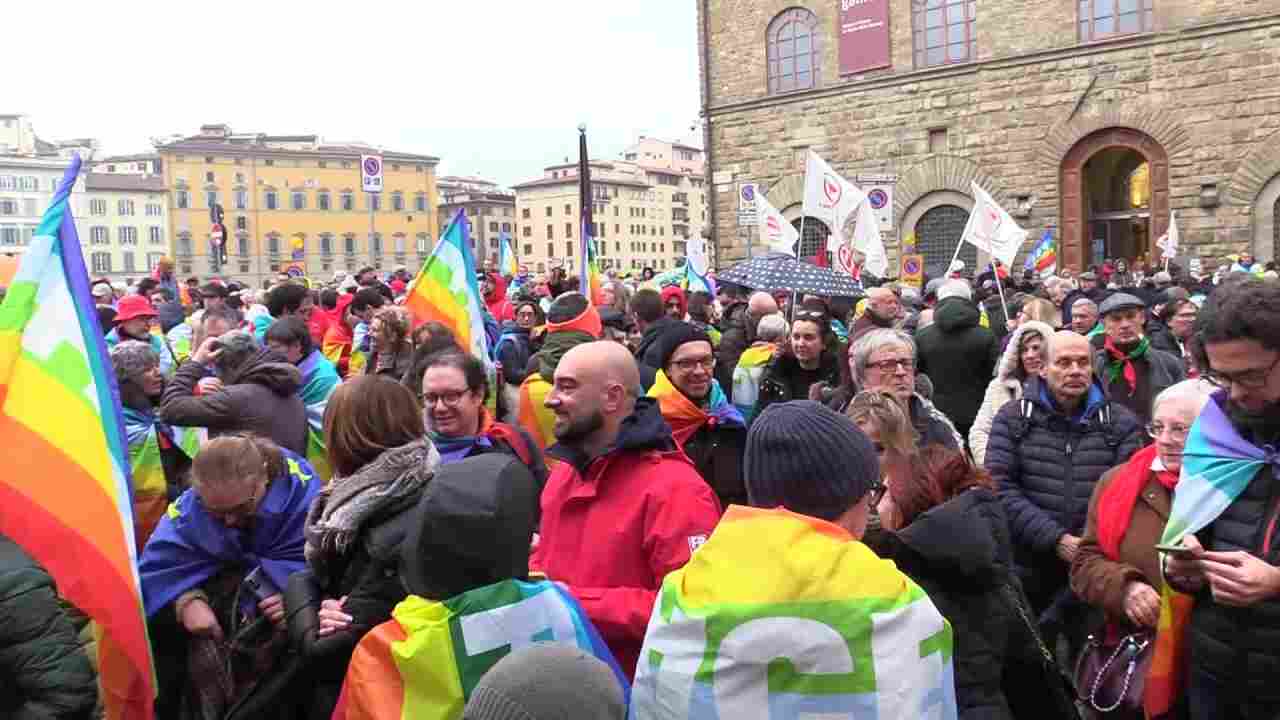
[(782, 272)]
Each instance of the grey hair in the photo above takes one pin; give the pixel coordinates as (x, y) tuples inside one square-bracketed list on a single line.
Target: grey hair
[(1196, 390), (237, 347), (873, 341), (1080, 302), (955, 288), (773, 328)]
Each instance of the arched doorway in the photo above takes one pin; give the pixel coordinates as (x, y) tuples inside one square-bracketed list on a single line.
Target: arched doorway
[(1115, 197)]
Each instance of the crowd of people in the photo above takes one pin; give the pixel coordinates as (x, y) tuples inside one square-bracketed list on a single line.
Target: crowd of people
[(1016, 459)]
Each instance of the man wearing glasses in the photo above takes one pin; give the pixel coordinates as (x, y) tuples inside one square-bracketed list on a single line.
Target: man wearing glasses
[(1234, 550)]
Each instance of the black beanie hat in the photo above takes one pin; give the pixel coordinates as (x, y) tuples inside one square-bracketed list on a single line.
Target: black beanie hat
[(809, 459), (673, 337)]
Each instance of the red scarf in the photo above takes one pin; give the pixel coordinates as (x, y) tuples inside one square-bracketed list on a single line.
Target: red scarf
[(1115, 507)]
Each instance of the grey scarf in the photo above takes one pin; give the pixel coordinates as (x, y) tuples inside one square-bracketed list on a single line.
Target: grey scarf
[(341, 510)]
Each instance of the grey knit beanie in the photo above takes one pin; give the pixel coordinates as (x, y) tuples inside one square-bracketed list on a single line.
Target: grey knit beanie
[(547, 681), (809, 459), (132, 359)]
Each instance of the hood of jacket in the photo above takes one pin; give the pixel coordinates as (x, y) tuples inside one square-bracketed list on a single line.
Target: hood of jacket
[(269, 369), (644, 429), (956, 313), (499, 292), (1037, 391), (965, 539), (1010, 360)]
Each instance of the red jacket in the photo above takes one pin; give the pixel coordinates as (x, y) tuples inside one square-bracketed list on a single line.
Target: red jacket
[(613, 527), (318, 324), (497, 303)]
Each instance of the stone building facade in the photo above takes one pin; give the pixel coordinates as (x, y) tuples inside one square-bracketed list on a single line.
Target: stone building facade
[(1089, 118)]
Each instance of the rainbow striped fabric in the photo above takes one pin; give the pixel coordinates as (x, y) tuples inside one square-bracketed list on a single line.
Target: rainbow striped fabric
[(446, 291), (150, 489), (782, 615), (533, 415), (687, 417), (1217, 466), (424, 663), (319, 380), (59, 403), (507, 265), (1043, 259), (746, 378)]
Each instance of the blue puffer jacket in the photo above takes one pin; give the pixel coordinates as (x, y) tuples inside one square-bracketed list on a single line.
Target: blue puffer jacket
[(1046, 464)]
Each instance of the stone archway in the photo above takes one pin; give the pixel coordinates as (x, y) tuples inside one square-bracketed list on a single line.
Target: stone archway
[(1073, 213), (1254, 188)]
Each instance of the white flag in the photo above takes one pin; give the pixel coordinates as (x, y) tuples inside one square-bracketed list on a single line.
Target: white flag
[(866, 240), (776, 233), (829, 197), (992, 229), (1168, 242)]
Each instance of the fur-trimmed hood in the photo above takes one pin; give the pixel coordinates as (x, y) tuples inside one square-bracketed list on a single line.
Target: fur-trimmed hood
[(1007, 369)]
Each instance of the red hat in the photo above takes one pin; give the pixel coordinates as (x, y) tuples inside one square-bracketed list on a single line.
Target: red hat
[(134, 306)]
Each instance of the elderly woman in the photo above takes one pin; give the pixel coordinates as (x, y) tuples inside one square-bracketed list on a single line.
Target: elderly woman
[(886, 360), (771, 333), (1023, 357), (217, 565), (1117, 568), (390, 345)]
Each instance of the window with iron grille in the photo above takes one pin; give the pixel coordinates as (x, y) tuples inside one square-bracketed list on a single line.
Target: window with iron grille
[(938, 232)]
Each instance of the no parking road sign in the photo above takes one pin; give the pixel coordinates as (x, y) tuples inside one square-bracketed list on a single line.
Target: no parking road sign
[(371, 173)]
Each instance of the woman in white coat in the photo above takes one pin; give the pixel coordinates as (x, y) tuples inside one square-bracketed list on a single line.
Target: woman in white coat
[(1022, 358)]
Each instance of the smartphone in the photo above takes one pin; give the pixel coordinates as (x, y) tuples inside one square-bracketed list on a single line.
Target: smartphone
[(1173, 549), (255, 588)]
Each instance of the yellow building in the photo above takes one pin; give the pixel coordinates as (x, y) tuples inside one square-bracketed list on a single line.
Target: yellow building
[(294, 201)]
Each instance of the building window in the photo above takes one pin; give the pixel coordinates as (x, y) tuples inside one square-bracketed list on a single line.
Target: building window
[(548, 211), (568, 230), (397, 242), (155, 235), (348, 201), (322, 200), (349, 244), (793, 51), (526, 231), (944, 31), (128, 261), (9, 234), (397, 202), (101, 262), (242, 246), (420, 202), (154, 210), (1101, 19), (424, 243), (31, 183), (375, 244), (326, 244), (550, 232), (493, 227), (298, 200), (524, 213), (568, 248), (551, 249), (8, 182), (128, 235), (210, 198), (269, 162), (239, 176), (98, 235), (506, 227), (273, 244), (184, 245), (938, 232), (528, 249), (271, 200), (153, 259), (242, 223), (375, 201), (124, 207), (182, 199), (208, 177), (96, 207), (242, 200)]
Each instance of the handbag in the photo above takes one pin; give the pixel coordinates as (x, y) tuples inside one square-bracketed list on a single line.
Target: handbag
[(1110, 676), (1052, 678)]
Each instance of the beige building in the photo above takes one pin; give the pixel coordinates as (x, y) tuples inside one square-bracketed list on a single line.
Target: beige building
[(1093, 120), (125, 230), (490, 209), (294, 202), (30, 170), (645, 210)]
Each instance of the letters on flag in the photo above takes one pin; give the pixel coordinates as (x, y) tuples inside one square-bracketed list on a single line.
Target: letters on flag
[(776, 233), (830, 197), (992, 229)]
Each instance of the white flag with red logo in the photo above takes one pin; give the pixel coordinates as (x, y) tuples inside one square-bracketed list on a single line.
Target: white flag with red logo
[(829, 197), (992, 229), (1168, 242), (867, 240), (776, 233)]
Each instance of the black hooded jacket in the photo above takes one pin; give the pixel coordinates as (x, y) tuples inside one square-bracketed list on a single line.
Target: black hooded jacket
[(960, 357), (779, 382), (649, 352)]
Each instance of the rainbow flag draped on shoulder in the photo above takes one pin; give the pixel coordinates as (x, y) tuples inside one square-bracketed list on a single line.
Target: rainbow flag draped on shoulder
[(446, 291), (319, 380), (685, 416), (66, 497), (424, 663), (782, 615), (746, 378), (150, 487)]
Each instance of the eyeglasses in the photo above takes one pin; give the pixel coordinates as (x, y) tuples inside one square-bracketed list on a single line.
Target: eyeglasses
[(706, 363), (1250, 379), (1177, 430), (450, 399), (876, 493), (892, 365), (810, 315)]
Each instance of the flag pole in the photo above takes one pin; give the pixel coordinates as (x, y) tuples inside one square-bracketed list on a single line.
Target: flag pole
[(1000, 290)]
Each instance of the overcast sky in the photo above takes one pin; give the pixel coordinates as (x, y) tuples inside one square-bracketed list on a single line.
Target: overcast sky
[(492, 87)]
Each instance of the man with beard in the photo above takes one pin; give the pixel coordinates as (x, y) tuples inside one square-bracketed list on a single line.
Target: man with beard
[(1132, 372), (882, 310), (624, 506), (1232, 532)]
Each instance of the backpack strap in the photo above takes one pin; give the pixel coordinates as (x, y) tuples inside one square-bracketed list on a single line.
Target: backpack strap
[(1022, 424)]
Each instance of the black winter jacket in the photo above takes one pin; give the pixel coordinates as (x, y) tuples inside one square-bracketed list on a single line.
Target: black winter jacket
[(1045, 465), (1240, 647), (1162, 337), (960, 357), (649, 352), (717, 454), (736, 335), (960, 553), (775, 381), (44, 673)]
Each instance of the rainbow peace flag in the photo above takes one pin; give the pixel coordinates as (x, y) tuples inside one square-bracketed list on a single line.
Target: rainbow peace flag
[(783, 615), (533, 415), (589, 273), (150, 489), (424, 663), (66, 497), (1043, 259), (319, 380), (446, 291), (746, 378), (507, 266)]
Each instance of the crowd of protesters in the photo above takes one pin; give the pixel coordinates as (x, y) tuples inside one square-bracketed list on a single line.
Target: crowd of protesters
[(1016, 452)]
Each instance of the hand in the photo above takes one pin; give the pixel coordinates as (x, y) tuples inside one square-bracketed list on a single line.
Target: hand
[(198, 619), (1141, 604), (207, 351), (1185, 569), (332, 619), (208, 385), (273, 609), (1067, 547), (1240, 579)]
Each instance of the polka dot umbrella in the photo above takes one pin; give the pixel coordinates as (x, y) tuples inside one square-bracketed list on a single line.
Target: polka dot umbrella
[(782, 272)]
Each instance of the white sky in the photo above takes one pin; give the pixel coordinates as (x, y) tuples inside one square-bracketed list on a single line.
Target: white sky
[(494, 88)]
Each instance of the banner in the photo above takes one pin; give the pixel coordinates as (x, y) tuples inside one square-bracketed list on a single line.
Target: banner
[(776, 233), (864, 35), (1168, 242), (992, 229), (829, 198), (867, 240)]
